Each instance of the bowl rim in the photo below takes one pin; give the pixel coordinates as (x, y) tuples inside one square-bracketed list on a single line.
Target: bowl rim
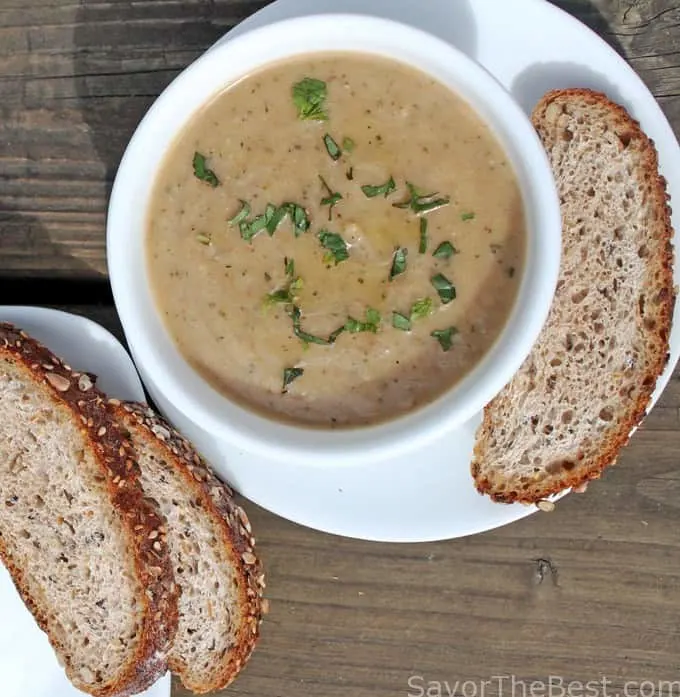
[(258, 433)]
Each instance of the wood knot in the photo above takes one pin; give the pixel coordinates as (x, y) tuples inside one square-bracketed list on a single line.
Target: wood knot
[(545, 572)]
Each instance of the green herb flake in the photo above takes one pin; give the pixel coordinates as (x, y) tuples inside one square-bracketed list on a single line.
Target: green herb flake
[(333, 198), (422, 247), (444, 251), (422, 308), (289, 375), (202, 172), (299, 218), (295, 314), (371, 324), (445, 337), (309, 96), (336, 246), (332, 148), (204, 238), (467, 216), (334, 335), (398, 262), (289, 266), (371, 191), (269, 211), (242, 214), (421, 203), (401, 322), (348, 144), (274, 218), (444, 287), (331, 201), (278, 297), (288, 294), (250, 229), (372, 316)]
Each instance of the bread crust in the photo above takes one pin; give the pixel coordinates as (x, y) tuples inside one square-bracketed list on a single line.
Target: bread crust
[(231, 519), (659, 274), (139, 516)]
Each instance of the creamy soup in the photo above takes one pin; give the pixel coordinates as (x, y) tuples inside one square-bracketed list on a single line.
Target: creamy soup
[(335, 240)]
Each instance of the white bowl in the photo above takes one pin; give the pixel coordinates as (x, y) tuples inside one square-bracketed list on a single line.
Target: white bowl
[(166, 373)]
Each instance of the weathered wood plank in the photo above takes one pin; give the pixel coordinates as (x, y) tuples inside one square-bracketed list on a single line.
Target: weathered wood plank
[(76, 78)]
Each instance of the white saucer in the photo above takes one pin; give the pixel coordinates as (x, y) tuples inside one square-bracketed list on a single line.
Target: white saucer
[(28, 665), (531, 46)]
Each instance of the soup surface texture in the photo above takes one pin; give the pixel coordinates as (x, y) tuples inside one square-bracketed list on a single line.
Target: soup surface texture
[(298, 252)]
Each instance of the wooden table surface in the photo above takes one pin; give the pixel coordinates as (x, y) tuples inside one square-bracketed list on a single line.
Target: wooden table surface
[(588, 591)]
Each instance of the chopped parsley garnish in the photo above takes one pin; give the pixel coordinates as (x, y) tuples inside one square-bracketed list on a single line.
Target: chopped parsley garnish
[(401, 322), (422, 246), (282, 295), (204, 238), (331, 201), (309, 96), (467, 216), (332, 148), (333, 198), (250, 229), (242, 214), (348, 144), (269, 220), (421, 203), (289, 375), (273, 217), (445, 337), (371, 191), (336, 246), (398, 262), (421, 308), (371, 324), (444, 287), (307, 338), (285, 295), (299, 217), (444, 251), (335, 334), (269, 211), (202, 172), (288, 293)]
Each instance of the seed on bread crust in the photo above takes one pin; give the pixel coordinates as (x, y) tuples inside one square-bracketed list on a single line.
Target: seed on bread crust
[(59, 382)]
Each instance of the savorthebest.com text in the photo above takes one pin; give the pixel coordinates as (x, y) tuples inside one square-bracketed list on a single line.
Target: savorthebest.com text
[(551, 686)]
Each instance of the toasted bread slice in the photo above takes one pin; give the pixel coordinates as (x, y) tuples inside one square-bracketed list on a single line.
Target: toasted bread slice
[(588, 381), (212, 551), (75, 528)]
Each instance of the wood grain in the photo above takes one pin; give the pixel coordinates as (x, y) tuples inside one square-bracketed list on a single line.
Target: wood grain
[(590, 590), (76, 77)]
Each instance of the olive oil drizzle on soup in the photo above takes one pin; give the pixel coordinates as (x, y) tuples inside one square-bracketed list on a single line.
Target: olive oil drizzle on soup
[(335, 240)]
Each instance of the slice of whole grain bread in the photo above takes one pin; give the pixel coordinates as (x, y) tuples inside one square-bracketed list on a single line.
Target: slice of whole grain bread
[(588, 380), (75, 526), (212, 551)]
